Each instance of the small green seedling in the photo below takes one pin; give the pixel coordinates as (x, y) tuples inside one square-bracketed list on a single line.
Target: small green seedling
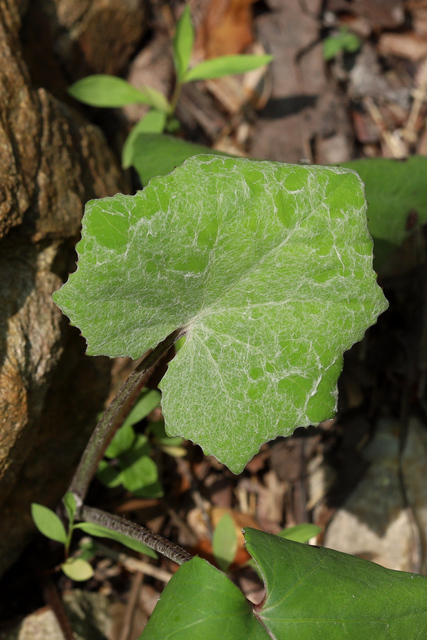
[(129, 461), (109, 91), (343, 42), (51, 526)]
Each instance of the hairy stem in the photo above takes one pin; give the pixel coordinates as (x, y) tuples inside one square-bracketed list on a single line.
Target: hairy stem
[(115, 412), (135, 531)]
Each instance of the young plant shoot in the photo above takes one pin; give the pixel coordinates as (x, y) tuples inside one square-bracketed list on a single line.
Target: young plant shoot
[(266, 269), (109, 91)]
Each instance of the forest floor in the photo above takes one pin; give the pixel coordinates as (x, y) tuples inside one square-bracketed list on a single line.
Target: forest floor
[(361, 475)]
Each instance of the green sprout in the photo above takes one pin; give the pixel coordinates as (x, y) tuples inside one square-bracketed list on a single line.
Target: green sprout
[(109, 91)]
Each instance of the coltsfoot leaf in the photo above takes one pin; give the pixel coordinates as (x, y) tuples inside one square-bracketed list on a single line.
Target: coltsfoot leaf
[(311, 594), (266, 267)]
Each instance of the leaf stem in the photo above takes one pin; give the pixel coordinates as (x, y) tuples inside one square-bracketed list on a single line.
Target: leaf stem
[(175, 97), (135, 531), (115, 412)]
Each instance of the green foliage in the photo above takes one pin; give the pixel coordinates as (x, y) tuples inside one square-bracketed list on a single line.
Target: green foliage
[(77, 569), (183, 44), (48, 523), (132, 465), (154, 122), (102, 532), (70, 506), (396, 191), (300, 533), (267, 269), (224, 542), (135, 470), (225, 66), (158, 155), (342, 42), (109, 91), (310, 593)]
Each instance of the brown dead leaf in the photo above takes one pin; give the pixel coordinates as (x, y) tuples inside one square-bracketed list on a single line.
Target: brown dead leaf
[(419, 19), (203, 546), (382, 14), (226, 28), (241, 520), (203, 549), (410, 46)]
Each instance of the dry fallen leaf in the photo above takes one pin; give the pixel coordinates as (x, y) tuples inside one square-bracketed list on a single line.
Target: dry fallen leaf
[(226, 28), (410, 46)]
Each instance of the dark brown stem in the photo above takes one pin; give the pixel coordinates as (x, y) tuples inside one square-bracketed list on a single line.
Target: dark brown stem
[(135, 531), (114, 413), (53, 599)]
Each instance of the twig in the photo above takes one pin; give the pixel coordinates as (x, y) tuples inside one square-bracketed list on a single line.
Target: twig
[(134, 564), (135, 531), (185, 469), (397, 147), (129, 616), (115, 412), (53, 599), (420, 95)]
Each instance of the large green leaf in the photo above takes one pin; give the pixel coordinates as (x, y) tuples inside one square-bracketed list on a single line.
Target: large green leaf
[(311, 594), (201, 603), (266, 267), (396, 191), (155, 154)]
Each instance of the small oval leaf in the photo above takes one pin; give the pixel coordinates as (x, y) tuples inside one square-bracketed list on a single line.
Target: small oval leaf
[(48, 523), (122, 441), (77, 569), (226, 66), (103, 90), (110, 476), (183, 43), (224, 542), (70, 505), (147, 402)]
